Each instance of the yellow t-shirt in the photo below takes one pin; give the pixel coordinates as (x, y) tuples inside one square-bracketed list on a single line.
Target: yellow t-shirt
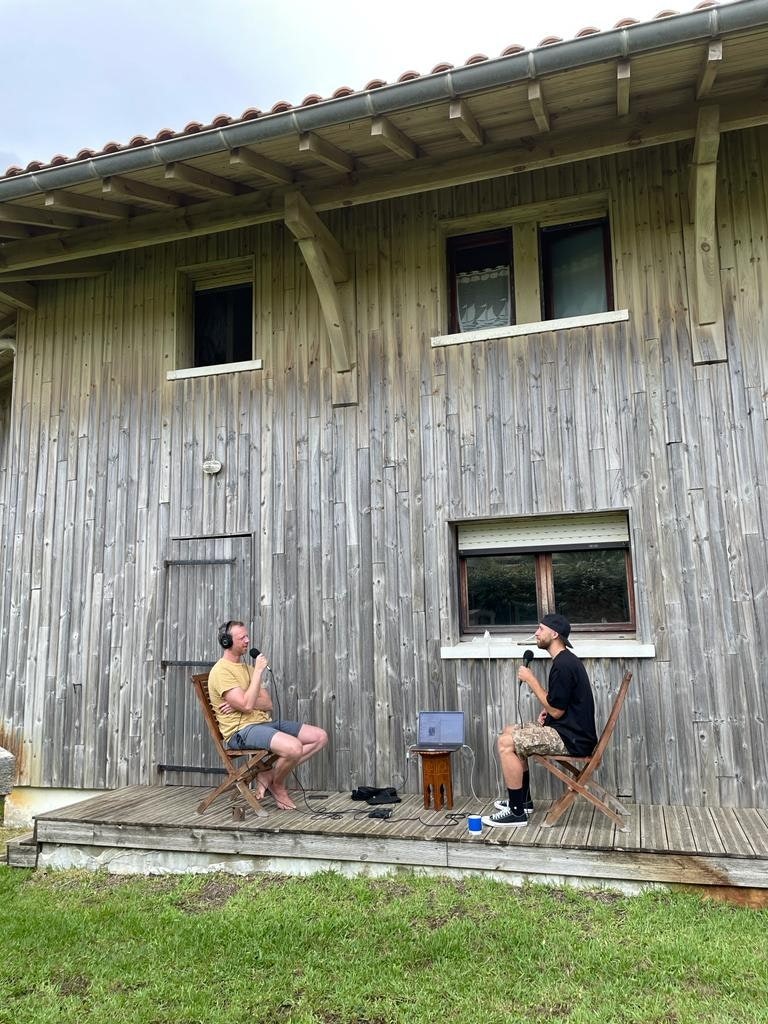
[(225, 675)]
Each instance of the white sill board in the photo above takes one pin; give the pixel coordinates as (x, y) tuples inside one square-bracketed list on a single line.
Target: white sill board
[(211, 371), (519, 330), (481, 648)]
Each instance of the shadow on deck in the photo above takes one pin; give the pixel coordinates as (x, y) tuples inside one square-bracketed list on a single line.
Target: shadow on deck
[(156, 829)]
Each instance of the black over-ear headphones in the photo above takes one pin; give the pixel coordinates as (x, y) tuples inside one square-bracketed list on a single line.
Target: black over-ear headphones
[(225, 637)]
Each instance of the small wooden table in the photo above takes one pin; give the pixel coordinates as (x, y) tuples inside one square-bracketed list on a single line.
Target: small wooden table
[(436, 778)]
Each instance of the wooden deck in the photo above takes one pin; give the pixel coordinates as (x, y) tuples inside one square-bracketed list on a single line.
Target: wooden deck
[(157, 829)]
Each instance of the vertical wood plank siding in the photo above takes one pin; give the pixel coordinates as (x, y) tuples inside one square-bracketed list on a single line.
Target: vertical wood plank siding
[(346, 510)]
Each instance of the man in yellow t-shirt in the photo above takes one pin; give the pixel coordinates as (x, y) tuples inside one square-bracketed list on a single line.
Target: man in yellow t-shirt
[(244, 712)]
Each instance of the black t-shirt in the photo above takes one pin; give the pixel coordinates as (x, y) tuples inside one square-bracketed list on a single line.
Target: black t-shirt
[(569, 690)]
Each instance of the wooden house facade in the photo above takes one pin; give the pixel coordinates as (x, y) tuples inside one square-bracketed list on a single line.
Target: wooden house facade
[(333, 487)]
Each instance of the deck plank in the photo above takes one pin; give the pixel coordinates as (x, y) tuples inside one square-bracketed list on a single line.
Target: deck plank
[(701, 844)]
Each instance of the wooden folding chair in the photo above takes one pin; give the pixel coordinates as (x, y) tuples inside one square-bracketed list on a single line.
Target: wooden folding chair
[(238, 778), (577, 772)]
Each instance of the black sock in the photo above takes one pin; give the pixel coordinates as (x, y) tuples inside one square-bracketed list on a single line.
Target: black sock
[(515, 800), (526, 786)]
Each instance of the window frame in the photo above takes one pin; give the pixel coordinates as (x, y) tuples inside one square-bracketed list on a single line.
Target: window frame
[(545, 585), (201, 277), (526, 222), (545, 266)]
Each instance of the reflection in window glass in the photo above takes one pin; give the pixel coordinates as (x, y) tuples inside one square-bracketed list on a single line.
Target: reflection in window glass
[(591, 586), (574, 267), (501, 590)]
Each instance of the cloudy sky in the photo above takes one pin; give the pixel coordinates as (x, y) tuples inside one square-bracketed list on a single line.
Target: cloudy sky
[(81, 73)]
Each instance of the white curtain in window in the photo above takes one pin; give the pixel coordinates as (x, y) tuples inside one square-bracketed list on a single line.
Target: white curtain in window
[(483, 298)]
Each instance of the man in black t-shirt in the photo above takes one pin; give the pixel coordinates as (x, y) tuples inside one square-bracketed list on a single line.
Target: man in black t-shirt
[(566, 725)]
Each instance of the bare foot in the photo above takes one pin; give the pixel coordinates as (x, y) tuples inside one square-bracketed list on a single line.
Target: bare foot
[(280, 793), (263, 782)]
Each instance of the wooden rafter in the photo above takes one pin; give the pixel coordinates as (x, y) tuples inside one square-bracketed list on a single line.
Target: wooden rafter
[(70, 270), (72, 202), (15, 231), (466, 122), (204, 179), (382, 128), (6, 323), (327, 267), (262, 165), (11, 214), (622, 87), (538, 106), (326, 152), (712, 64), (22, 295), (128, 188)]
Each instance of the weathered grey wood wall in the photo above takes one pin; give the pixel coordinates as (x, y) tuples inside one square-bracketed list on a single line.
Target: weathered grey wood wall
[(353, 581)]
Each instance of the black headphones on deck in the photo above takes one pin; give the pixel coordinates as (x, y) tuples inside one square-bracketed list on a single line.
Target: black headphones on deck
[(225, 637)]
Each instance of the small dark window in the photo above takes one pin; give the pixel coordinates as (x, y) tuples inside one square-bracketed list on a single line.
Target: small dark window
[(223, 325), (480, 281), (575, 269)]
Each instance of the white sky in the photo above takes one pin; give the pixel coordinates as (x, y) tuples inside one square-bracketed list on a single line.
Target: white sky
[(81, 73)]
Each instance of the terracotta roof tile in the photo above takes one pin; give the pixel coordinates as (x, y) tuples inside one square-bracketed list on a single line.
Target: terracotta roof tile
[(282, 106)]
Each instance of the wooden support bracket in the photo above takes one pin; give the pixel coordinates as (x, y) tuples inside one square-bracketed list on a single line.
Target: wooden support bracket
[(328, 267), (702, 251)]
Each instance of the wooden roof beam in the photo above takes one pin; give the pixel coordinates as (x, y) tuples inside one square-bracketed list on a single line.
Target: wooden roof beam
[(15, 231), (303, 223), (326, 152), (712, 64), (10, 214), (70, 270), (382, 128), (74, 203), (538, 106), (262, 165), (204, 179), (23, 296), (622, 87), (127, 188), (466, 122), (6, 323)]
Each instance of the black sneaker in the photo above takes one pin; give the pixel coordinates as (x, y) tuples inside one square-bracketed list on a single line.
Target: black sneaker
[(503, 805), (506, 818)]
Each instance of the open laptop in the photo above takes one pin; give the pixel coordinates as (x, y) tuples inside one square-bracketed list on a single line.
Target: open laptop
[(441, 730)]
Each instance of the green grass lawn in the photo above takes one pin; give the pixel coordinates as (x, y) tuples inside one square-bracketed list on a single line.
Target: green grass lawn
[(77, 947)]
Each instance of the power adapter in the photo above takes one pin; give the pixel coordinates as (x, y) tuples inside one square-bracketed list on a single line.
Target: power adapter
[(380, 812)]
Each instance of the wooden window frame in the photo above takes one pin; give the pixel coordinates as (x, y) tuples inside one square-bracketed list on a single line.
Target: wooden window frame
[(475, 240), (548, 230), (545, 590), (209, 277), (529, 291)]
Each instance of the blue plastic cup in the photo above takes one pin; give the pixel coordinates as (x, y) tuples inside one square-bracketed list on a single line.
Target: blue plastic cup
[(474, 823)]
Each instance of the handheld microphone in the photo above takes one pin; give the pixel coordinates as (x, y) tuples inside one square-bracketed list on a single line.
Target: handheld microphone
[(255, 652), (527, 658)]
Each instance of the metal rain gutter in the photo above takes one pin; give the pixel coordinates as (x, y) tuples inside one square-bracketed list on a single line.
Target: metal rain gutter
[(447, 85)]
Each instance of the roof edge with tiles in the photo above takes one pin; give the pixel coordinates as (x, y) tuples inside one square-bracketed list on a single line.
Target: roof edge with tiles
[(668, 29)]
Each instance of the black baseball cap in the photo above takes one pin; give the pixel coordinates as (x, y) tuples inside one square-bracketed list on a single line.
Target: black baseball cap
[(560, 624)]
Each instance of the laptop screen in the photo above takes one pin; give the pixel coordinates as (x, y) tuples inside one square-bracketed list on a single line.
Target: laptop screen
[(441, 727)]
